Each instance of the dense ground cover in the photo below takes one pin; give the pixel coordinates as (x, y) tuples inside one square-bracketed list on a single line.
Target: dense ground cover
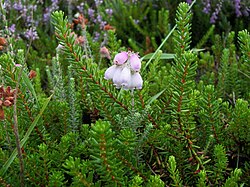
[(125, 93)]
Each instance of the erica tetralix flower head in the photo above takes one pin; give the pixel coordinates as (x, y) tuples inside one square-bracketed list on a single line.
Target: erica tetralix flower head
[(125, 71)]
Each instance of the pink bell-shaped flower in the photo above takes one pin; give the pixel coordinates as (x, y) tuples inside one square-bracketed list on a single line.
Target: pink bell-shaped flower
[(135, 62), (109, 73), (125, 76), (136, 82), (121, 58), (117, 77), (125, 71)]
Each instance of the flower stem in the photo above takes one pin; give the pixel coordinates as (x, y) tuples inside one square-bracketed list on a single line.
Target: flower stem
[(132, 99), (15, 128)]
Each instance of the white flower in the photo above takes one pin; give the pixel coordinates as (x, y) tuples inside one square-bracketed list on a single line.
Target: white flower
[(136, 81), (135, 62), (109, 73), (117, 77), (59, 48), (125, 76), (125, 71)]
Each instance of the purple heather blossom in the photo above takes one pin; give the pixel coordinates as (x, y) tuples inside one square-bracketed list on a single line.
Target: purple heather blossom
[(102, 24), (237, 8), (96, 36), (215, 14), (7, 5), (18, 6), (109, 11), (189, 1), (55, 1), (98, 2), (207, 6), (48, 10), (23, 12), (246, 11), (136, 21), (29, 20), (125, 71), (12, 28), (91, 13), (32, 7), (31, 34), (80, 7), (46, 15), (99, 18)]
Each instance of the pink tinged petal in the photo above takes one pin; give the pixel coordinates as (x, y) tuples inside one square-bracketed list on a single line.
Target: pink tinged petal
[(109, 73), (18, 65), (117, 77), (125, 76), (136, 81), (121, 58), (135, 62), (105, 52)]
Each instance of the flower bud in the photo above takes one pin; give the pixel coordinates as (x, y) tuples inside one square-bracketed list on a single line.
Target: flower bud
[(32, 74), (105, 52), (80, 40), (10, 98), (109, 27), (7, 103), (3, 41), (18, 65)]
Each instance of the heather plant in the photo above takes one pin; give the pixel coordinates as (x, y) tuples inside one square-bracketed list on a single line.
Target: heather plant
[(96, 113)]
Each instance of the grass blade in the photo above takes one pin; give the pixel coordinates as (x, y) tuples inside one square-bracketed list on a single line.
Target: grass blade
[(25, 138)]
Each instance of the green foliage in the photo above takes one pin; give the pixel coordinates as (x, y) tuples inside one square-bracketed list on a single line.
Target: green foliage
[(155, 181), (188, 126), (202, 179), (220, 162), (136, 182), (239, 126), (174, 173), (244, 39), (103, 155), (233, 179), (79, 171), (209, 117), (139, 21)]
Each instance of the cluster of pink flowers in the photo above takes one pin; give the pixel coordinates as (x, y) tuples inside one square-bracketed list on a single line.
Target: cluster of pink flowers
[(125, 71)]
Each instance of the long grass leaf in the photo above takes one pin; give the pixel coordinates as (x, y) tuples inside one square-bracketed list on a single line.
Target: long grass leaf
[(25, 138), (152, 99)]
